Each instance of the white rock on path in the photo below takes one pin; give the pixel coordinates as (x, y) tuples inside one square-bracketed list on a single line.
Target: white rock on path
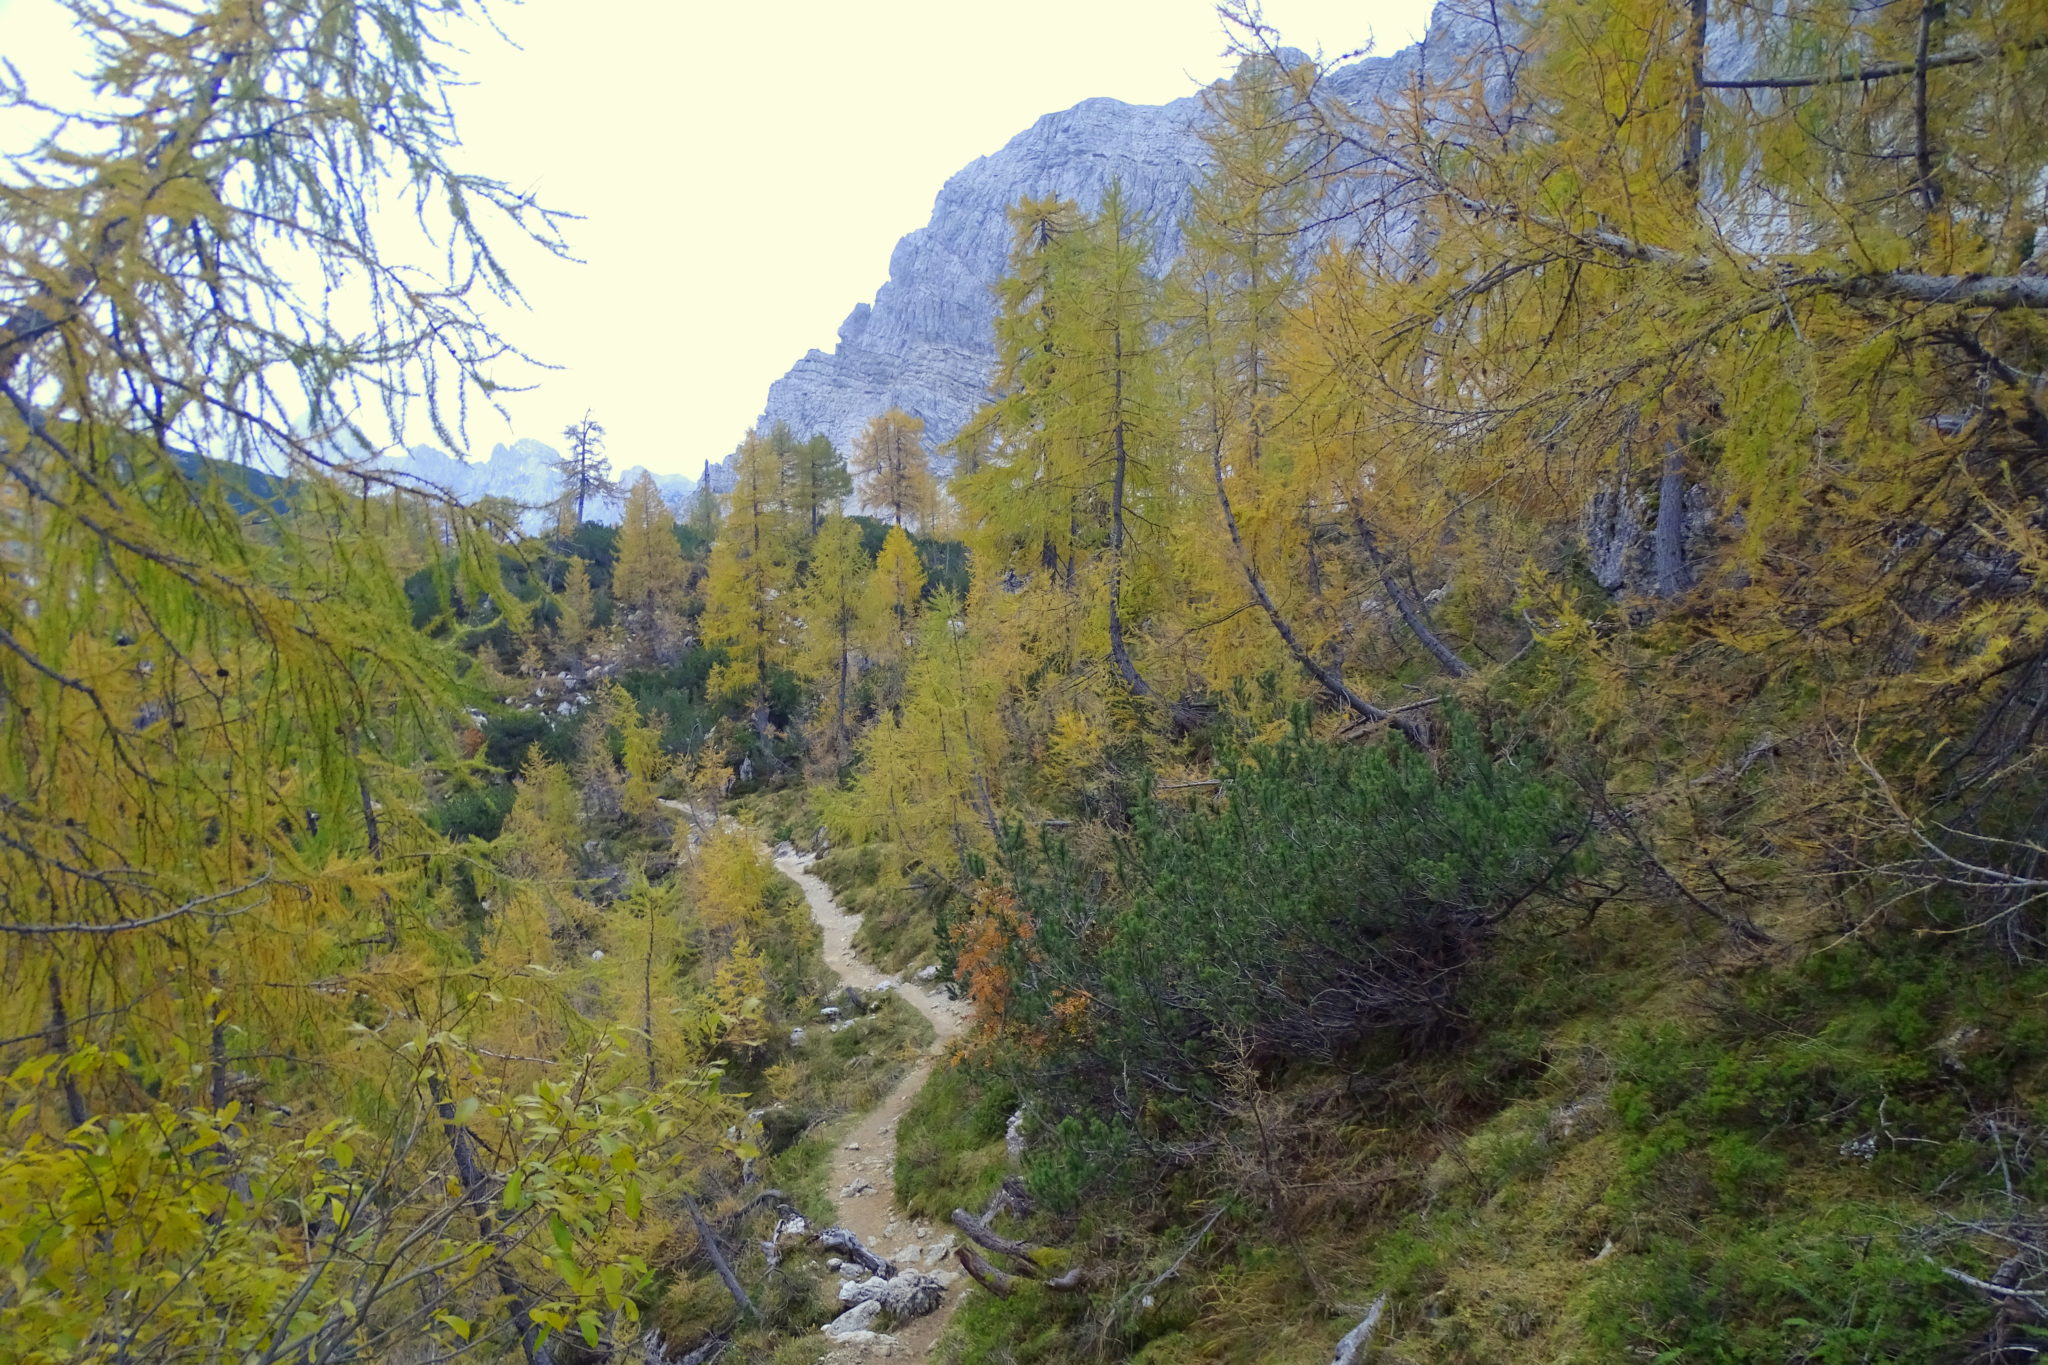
[(859, 1318), (912, 1294)]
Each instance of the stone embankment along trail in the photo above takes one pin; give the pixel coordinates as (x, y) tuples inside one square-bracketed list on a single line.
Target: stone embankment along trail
[(867, 1153)]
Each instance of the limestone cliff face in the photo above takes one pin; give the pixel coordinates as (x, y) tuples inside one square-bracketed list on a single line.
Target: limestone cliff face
[(925, 343)]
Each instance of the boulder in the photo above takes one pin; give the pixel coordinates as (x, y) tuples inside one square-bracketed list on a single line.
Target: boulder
[(859, 1318), (912, 1294)]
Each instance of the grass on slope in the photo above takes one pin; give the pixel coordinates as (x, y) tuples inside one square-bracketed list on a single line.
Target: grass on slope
[(1672, 1153)]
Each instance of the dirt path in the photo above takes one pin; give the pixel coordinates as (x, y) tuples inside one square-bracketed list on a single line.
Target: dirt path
[(866, 1155)]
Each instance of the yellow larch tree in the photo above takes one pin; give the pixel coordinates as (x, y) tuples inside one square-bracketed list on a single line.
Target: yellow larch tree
[(894, 591), (252, 1114), (834, 611), (893, 470), (578, 604), (649, 572), (746, 599)]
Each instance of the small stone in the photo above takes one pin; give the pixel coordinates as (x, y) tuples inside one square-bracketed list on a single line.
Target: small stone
[(928, 973), (796, 1037), (853, 1146)]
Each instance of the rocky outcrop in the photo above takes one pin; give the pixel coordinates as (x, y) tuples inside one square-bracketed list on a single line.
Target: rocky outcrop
[(909, 1294), (925, 343)]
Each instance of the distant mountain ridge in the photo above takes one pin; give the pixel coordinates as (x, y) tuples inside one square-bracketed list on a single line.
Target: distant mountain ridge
[(525, 472)]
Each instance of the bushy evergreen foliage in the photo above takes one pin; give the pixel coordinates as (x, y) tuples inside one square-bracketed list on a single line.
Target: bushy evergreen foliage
[(1323, 894)]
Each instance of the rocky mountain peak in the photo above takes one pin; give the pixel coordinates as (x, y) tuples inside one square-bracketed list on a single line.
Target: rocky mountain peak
[(925, 343)]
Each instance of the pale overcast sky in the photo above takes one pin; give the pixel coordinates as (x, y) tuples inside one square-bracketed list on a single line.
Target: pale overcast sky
[(744, 170)]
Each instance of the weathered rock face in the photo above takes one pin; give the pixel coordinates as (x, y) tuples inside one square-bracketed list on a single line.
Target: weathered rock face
[(925, 343)]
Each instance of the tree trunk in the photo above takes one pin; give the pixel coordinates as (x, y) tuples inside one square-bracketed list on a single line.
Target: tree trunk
[(845, 667), (1364, 709), (1117, 652), (1670, 535), (991, 1279), (1406, 605), (1692, 156), (709, 1241), (476, 1194), (647, 998), (60, 1044), (217, 1083), (1925, 184)]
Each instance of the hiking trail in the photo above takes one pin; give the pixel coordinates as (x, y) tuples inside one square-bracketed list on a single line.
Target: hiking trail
[(866, 1153)]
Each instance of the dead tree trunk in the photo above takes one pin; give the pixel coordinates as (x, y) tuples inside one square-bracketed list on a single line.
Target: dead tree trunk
[(849, 1246), (715, 1253), (983, 1235), (986, 1275), (1406, 605), (1354, 1343), (1364, 709)]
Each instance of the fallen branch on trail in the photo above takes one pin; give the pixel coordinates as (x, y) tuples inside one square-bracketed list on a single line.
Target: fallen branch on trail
[(981, 1234), (775, 1197), (849, 1247)]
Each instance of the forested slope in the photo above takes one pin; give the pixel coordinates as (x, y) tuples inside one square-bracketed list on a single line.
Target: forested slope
[(1481, 778)]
